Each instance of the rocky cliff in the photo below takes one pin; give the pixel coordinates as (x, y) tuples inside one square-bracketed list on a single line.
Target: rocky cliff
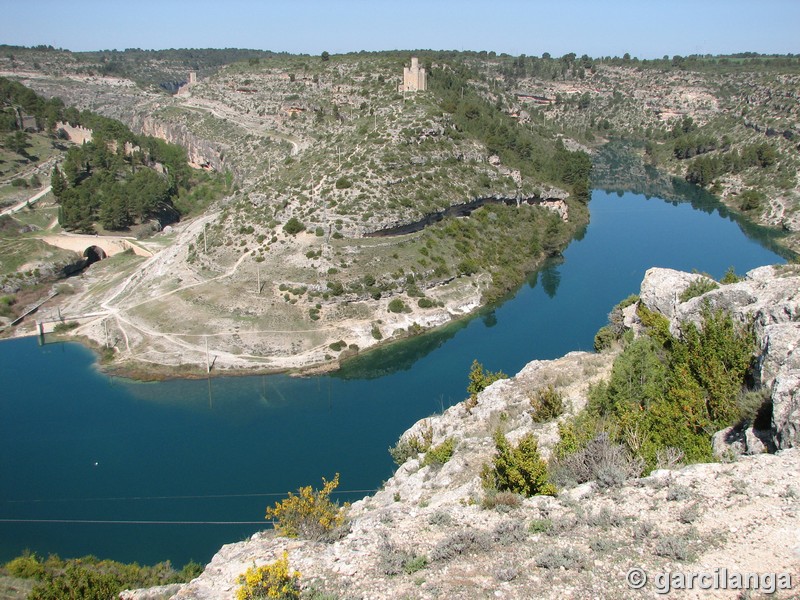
[(430, 532), (201, 153)]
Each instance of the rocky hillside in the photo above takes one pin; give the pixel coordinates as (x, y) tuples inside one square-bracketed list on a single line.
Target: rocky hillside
[(324, 154), (432, 531), (696, 121)]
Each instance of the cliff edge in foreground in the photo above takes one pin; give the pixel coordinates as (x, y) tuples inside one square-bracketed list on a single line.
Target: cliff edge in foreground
[(431, 532)]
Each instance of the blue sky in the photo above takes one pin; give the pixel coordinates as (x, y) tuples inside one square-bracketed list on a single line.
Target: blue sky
[(644, 28)]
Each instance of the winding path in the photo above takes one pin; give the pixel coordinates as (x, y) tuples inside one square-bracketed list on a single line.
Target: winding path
[(20, 205)]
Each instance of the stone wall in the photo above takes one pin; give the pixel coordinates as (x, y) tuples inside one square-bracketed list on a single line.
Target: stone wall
[(77, 133)]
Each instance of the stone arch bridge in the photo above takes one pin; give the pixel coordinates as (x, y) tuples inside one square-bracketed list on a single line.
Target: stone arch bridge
[(94, 247)]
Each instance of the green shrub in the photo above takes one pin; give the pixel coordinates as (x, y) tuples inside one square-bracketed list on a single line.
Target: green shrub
[(750, 200), (657, 325), (293, 226), (27, 566), (413, 445), (604, 338), (6, 302), (92, 579), (343, 183), (615, 329), (336, 288), (416, 563), (698, 287), (730, 277), (667, 392), (396, 305), (755, 407), (439, 455), (479, 380), (575, 433), (540, 525), (547, 404), (718, 357), (519, 469), (65, 326), (425, 303)]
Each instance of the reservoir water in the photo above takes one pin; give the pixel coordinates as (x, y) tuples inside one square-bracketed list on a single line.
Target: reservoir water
[(173, 470)]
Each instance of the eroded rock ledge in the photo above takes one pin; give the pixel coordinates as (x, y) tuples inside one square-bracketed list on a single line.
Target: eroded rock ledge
[(742, 515)]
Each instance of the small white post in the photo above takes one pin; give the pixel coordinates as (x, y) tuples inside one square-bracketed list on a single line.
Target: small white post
[(208, 362)]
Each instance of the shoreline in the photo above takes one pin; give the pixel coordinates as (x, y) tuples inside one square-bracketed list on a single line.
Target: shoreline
[(144, 372)]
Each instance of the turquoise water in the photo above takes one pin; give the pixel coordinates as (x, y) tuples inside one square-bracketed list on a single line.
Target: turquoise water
[(78, 447)]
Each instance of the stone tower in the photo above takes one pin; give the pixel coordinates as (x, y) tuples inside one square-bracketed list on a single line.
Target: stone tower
[(192, 77), (415, 79)]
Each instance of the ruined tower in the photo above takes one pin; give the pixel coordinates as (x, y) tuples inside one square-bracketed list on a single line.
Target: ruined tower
[(415, 79)]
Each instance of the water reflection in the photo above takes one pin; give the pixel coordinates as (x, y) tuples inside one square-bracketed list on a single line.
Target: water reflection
[(619, 167), (551, 276), (399, 356)]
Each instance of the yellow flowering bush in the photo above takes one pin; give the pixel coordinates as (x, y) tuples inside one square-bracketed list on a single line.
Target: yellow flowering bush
[(310, 514), (270, 581)]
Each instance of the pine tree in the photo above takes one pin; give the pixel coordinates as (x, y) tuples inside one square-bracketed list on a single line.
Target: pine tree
[(58, 182)]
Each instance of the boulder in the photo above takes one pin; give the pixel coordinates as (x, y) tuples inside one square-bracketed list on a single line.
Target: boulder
[(736, 441), (779, 351), (661, 289), (161, 592), (786, 410)]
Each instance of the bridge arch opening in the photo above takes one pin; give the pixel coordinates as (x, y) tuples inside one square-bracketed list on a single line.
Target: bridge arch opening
[(93, 254)]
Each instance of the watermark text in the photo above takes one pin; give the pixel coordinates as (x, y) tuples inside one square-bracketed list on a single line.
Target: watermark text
[(718, 579)]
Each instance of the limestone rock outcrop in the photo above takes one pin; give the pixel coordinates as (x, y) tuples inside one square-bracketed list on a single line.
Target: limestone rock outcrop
[(661, 289), (201, 153)]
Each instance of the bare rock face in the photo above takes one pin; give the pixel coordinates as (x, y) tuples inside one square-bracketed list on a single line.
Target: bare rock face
[(201, 153), (779, 351), (786, 410), (735, 441), (661, 289), (161, 592)]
